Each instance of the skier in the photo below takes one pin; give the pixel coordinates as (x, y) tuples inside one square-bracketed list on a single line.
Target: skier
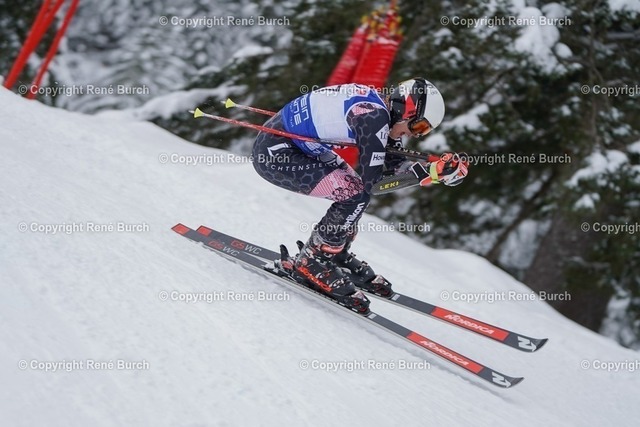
[(359, 114)]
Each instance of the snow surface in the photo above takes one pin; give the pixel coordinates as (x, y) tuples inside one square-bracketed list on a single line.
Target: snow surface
[(599, 164), (537, 39), (252, 50), (436, 142), (469, 120), (634, 148), (89, 295), (587, 201), (625, 5)]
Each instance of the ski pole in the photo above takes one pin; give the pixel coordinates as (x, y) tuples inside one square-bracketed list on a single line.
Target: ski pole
[(199, 113), (229, 104)]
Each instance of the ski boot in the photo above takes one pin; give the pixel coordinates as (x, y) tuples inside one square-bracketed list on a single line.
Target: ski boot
[(360, 273), (314, 268)]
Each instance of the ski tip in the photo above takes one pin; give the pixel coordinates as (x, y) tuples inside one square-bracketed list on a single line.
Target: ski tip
[(197, 113), (180, 228), (229, 103), (515, 381), (500, 380), (541, 343)]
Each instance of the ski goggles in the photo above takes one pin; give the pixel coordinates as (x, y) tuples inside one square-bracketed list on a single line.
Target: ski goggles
[(419, 127)]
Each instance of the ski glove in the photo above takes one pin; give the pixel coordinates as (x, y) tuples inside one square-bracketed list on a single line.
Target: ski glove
[(450, 169)]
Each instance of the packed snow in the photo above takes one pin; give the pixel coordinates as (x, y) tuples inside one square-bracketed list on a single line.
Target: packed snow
[(632, 6), (103, 299)]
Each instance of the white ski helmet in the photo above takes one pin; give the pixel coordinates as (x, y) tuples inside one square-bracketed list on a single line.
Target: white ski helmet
[(418, 101)]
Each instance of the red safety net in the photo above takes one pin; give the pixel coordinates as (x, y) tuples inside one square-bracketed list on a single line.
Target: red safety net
[(368, 58), (40, 26), (344, 71)]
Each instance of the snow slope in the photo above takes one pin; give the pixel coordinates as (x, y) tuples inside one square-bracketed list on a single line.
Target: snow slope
[(84, 295)]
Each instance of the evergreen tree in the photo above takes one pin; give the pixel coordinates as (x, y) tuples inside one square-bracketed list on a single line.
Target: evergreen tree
[(16, 19), (504, 101)]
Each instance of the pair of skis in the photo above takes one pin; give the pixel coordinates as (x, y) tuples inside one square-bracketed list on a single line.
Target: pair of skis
[(260, 259)]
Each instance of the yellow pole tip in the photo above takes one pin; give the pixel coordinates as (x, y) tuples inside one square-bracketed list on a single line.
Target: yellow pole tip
[(229, 103), (198, 113)]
